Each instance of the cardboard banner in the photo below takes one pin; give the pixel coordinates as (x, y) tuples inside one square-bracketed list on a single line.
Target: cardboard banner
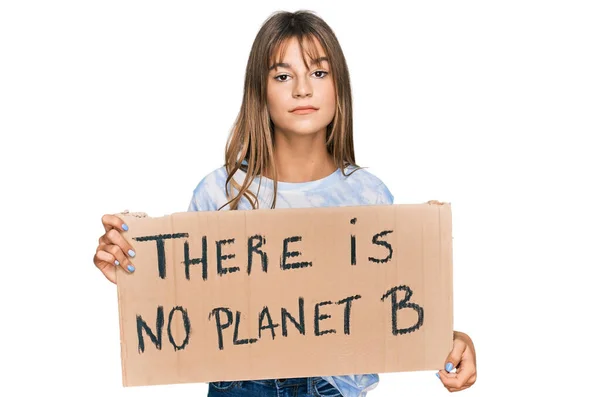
[(284, 293)]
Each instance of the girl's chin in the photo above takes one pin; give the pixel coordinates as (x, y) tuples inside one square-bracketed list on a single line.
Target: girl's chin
[(304, 129)]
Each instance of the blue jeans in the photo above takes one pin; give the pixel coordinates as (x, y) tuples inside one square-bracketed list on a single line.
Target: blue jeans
[(294, 387)]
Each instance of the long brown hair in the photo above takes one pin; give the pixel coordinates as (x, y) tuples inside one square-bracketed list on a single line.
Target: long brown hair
[(251, 139)]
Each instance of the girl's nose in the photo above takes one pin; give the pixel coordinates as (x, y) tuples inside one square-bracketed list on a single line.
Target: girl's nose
[(302, 88)]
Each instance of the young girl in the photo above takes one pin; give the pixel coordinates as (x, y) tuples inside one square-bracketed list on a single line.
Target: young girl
[(291, 146)]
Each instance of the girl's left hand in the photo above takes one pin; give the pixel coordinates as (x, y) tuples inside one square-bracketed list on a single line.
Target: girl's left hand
[(462, 357)]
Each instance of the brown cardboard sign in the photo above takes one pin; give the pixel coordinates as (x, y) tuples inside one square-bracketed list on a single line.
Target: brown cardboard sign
[(283, 293)]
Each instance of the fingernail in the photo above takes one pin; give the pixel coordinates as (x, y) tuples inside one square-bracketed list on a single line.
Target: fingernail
[(130, 268), (131, 253), (116, 262), (125, 227), (438, 375), (449, 367)]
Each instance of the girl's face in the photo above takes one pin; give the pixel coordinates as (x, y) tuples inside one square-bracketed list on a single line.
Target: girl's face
[(291, 85)]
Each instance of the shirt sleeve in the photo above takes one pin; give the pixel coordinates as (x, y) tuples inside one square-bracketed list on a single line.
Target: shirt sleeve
[(354, 385), (385, 196), (201, 199)]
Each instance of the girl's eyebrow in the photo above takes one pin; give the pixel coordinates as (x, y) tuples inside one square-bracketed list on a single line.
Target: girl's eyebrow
[(288, 66)]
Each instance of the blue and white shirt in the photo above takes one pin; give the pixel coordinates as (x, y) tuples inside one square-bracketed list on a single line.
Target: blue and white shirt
[(360, 188)]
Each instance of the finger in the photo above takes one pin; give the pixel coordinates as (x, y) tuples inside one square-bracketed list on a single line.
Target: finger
[(467, 366), (443, 376), (453, 389), (459, 378), (115, 237), (108, 258), (456, 355), (103, 241), (450, 380), (472, 379), (120, 258), (104, 261), (104, 257), (113, 222), (469, 342)]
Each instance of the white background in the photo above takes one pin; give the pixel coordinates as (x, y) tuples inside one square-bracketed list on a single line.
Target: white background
[(114, 105)]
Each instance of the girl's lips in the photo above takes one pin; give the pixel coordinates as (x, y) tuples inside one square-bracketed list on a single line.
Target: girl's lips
[(304, 111)]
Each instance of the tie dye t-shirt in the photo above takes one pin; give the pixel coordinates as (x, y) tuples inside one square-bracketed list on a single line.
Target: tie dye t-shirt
[(360, 188), (335, 190)]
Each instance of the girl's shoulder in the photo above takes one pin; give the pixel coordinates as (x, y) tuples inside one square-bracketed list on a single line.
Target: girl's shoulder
[(362, 175), (364, 182), (210, 191)]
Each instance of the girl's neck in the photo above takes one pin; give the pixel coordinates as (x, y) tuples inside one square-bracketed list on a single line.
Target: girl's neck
[(302, 158)]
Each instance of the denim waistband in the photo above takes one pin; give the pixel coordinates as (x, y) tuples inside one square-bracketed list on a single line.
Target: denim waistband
[(279, 383)]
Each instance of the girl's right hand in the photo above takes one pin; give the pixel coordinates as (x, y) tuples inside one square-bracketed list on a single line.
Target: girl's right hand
[(113, 250)]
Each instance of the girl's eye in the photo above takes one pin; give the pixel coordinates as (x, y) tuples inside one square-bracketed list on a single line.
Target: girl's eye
[(323, 74)]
